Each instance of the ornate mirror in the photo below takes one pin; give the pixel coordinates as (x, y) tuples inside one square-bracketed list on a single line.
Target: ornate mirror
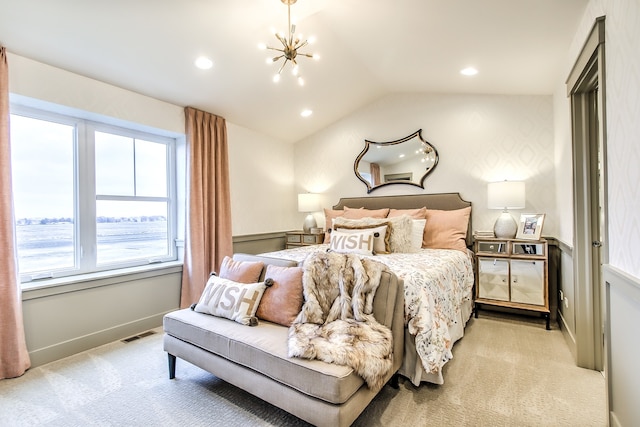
[(406, 161)]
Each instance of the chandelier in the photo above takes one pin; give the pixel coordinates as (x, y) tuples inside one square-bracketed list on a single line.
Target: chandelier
[(290, 48)]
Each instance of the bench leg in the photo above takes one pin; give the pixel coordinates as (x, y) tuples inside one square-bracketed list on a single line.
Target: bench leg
[(393, 382), (172, 366)]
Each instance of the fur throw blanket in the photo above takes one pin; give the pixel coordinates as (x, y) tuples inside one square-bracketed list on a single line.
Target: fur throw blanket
[(336, 324)]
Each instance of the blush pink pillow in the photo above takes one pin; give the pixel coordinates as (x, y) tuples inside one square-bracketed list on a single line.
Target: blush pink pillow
[(283, 300), (352, 213), (446, 229), (420, 213), (240, 271)]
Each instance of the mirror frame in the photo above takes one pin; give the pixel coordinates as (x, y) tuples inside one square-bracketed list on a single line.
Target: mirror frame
[(367, 144)]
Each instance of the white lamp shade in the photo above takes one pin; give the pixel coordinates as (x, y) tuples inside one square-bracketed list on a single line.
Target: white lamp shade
[(506, 195), (308, 202)]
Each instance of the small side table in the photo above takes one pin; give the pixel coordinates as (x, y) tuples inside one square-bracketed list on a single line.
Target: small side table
[(294, 239), (512, 273)]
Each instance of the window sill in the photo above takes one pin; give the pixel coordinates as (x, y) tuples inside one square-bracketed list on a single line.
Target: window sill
[(49, 287)]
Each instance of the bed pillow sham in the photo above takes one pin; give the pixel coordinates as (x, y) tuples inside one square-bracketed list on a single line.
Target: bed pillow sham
[(400, 230), (329, 216), (417, 233), (358, 213), (446, 229), (231, 300), (420, 213)]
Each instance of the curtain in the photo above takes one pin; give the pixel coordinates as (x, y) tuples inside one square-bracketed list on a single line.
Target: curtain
[(14, 357), (208, 236), (375, 173)]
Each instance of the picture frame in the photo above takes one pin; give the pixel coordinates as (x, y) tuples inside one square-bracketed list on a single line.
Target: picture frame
[(530, 226)]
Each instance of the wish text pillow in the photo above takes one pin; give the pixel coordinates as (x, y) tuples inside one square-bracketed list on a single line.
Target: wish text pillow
[(282, 301), (231, 300), (240, 271), (446, 229), (352, 241), (381, 236), (400, 230)]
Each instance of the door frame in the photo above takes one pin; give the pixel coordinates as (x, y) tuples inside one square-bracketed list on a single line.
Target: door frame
[(586, 88)]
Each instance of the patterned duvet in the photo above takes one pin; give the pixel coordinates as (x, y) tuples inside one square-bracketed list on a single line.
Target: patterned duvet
[(436, 284)]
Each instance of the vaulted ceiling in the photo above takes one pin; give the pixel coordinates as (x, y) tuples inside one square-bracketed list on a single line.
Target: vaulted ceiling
[(368, 49)]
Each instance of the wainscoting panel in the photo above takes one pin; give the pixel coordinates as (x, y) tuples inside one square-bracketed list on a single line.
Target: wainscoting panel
[(64, 320), (622, 347), (258, 243)]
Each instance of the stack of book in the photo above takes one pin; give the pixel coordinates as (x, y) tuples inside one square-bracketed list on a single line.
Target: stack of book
[(478, 234)]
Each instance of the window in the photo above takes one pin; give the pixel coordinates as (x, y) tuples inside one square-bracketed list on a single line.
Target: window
[(89, 196)]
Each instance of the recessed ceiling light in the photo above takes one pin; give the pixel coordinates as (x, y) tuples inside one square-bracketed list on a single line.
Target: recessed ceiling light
[(469, 71), (204, 63), (306, 113)]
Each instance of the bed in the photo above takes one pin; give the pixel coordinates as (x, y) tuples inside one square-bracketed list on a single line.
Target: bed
[(438, 283)]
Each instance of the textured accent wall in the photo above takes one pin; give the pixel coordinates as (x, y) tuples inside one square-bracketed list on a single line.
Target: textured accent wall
[(622, 44), (480, 138)]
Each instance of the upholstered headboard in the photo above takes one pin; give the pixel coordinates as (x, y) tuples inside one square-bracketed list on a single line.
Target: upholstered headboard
[(440, 201)]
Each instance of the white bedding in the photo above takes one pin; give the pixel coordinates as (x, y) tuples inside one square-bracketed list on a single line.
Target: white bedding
[(438, 287)]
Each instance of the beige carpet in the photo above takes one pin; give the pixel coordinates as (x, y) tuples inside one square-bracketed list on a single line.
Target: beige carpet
[(505, 372)]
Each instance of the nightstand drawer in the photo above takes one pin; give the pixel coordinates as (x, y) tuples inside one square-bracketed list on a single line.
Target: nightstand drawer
[(310, 239), (294, 238), (492, 247)]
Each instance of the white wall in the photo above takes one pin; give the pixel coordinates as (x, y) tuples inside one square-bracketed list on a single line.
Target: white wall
[(479, 138), (262, 183)]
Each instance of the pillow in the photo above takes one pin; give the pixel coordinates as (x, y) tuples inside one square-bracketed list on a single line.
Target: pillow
[(352, 241), (400, 230), (417, 233), (240, 271), (381, 236), (352, 213), (413, 213), (283, 300), (329, 216), (231, 300), (446, 229)]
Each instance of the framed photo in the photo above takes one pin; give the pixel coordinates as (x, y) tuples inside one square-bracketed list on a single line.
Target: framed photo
[(530, 227)]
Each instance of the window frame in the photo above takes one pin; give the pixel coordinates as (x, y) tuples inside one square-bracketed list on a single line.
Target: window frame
[(85, 197)]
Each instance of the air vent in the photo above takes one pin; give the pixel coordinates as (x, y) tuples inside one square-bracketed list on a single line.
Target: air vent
[(137, 337)]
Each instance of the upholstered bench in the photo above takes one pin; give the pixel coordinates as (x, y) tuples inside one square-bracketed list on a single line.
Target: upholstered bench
[(255, 359)]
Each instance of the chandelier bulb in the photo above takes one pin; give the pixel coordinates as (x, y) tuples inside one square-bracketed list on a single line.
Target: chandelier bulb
[(276, 78), (300, 81), (315, 56)]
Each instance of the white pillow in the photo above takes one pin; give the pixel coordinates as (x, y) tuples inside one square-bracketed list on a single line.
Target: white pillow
[(380, 234), (352, 241), (231, 300), (417, 232)]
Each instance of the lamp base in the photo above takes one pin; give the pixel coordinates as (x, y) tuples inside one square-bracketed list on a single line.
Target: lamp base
[(505, 226), (309, 223)]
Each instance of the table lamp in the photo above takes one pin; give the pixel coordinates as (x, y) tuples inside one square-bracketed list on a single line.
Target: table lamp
[(505, 195), (309, 203)]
